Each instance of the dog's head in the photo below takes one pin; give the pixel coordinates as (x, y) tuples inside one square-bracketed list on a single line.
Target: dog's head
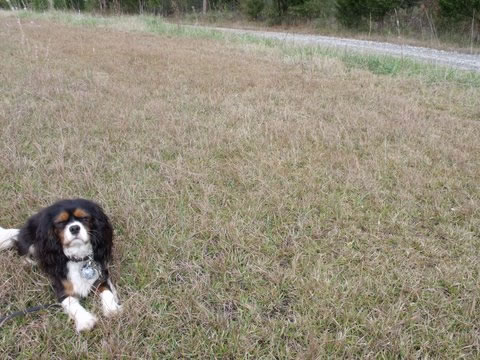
[(75, 228)]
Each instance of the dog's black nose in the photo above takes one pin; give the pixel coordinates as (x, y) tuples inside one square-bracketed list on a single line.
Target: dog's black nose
[(74, 229)]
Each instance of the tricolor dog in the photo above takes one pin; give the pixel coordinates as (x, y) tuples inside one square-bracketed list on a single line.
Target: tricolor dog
[(71, 240)]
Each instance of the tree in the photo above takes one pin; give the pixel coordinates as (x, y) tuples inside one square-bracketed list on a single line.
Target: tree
[(459, 9), (353, 12), (253, 8), (350, 12)]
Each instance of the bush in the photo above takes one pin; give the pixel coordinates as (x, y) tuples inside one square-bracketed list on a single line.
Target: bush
[(313, 9), (4, 4), (461, 14), (459, 10), (352, 13), (253, 8), (40, 5), (74, 4), (59, 4)]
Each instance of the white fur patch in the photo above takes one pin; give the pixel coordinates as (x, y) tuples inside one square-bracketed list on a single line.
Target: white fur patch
[(109, 303), (81, 235), (83, 319), (77, 245), (114, 291), (78, 250), (81, 286), (8, 237)]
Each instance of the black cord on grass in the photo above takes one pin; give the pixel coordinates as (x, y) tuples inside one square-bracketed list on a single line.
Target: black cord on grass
[(32, 309)]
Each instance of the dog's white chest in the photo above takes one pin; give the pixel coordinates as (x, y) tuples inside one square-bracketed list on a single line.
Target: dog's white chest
[(81, 284)]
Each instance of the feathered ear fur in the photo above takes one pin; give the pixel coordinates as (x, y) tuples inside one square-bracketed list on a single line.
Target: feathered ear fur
[(48, 247), (101, 235)]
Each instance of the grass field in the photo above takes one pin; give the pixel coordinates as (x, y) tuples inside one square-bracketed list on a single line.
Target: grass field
[(266, 204)]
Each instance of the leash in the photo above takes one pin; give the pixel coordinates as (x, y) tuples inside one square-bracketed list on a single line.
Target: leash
[(32, 309), (88, 271)]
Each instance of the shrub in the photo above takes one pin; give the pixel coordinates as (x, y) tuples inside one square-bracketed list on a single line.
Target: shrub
[(4, 4), (459, 10), (40, 5), (351, 13), (59, 4), (253, 8), (314, 9)]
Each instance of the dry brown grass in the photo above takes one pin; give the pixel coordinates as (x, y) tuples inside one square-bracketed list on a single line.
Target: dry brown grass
[(263, 208)]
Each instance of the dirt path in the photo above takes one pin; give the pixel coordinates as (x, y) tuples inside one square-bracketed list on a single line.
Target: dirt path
[(440, 57)]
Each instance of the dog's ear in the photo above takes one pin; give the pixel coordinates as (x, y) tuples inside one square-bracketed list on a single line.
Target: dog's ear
[(48, 246), (102, 236)]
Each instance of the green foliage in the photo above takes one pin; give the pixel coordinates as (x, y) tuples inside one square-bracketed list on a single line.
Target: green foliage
[(459, 10), (164, 7), (253, 8), (132, 6), (352, 12), (60, 4), (75, 4), (16, 4), (40, 5), (277, 11), (4, 4), (312, 9), (448, 14), (90, 5), (223, 5)]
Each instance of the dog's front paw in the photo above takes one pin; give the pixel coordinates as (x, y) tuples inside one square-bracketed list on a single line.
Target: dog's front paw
[(85, 322), (110, 305), (112, 309)]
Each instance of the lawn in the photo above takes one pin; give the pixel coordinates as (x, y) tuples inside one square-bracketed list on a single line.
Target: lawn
[(266, 204)]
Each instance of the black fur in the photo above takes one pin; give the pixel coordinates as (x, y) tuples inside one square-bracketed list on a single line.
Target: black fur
[(41, 232)]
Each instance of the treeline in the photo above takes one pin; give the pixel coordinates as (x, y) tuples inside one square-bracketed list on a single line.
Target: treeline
[(372, 15)]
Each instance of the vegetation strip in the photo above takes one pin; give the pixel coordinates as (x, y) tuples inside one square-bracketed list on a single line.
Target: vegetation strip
[(378, 64)]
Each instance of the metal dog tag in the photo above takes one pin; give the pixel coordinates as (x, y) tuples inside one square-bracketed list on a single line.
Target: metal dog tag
[(89, 271)]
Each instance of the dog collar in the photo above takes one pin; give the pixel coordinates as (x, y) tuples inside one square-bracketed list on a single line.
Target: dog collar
[(75, 259)]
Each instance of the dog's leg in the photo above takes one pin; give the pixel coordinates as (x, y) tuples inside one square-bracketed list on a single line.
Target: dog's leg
[(108, 295), (30, 257), (8, 237), (83, 319)]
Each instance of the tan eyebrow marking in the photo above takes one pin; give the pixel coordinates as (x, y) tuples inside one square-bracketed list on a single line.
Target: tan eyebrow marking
[(80, 213), (63, 216)]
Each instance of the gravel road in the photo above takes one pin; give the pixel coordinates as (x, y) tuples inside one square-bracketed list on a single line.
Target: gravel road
[(451, 58)]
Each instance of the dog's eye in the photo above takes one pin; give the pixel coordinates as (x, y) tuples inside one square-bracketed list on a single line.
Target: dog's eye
[(83, 218), (60, 224)]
